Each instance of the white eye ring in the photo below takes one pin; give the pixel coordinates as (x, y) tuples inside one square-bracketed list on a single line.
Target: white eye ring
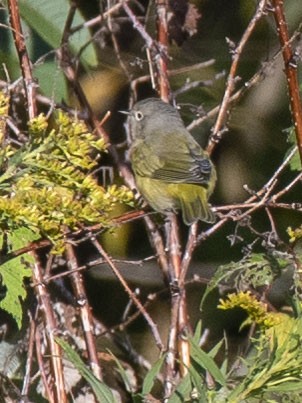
[(138, 115)]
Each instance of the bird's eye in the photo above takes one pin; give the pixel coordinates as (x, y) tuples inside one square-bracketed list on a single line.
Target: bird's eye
[(138, 116)]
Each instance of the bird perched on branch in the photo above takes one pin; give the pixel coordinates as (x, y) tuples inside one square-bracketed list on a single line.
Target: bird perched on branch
[(172, 171)]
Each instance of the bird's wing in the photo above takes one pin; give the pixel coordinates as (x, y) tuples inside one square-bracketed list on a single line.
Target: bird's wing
[(172, 164)]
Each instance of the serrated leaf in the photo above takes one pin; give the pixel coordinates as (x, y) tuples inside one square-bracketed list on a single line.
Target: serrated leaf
[(102, 392), (22, 237), (13, 273)]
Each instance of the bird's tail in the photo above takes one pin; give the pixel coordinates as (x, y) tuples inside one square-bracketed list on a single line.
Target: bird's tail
[(194, 205)]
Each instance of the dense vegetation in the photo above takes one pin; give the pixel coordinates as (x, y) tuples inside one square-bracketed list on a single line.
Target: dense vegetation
[(101, 298)]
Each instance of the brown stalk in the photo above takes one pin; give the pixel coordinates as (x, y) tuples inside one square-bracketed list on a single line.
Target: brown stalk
[(177, 346), (162, 35), (29, 82), (290, 66), (59, 394), (29, 358), (85, 311), (42, 369), (157, 242)]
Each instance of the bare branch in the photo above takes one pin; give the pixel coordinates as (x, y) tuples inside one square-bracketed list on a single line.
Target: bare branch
[(59, 394), (85, 311), (133, 297), (29, 82), (291, 67), (236, 53)]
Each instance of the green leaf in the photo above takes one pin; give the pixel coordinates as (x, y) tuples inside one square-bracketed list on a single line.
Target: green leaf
[(287, 386), (198, 383), (197, 332), (295, 162), (183, 391), (151, 375), (206, 361), (13, 273), (51, 80), (48, 19), (102, 392), (123, 373)]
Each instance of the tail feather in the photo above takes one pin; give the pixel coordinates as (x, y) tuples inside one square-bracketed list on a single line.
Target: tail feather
[(194, 206)]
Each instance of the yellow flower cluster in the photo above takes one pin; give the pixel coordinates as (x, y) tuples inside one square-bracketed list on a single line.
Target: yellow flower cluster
[(47, 185), (256, 310)]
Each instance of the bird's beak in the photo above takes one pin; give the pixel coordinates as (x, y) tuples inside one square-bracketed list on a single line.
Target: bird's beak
[(124, 112)]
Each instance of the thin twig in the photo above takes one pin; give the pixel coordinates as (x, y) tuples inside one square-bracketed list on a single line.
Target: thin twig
[(116, 44), (236, 53), (85, 311), (157, 51), (156, 241), (97, 20), (171, 356), (253, 81), (135, 300), (282, 192), (187, 256), (65, 57), (29, 358)]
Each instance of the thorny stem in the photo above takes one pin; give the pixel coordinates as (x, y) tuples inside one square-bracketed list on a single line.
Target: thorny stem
[(290, 65), (29, 82), (231, 81), (85, 311)]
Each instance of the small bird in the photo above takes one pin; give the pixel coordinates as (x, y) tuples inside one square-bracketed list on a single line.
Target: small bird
[(172, 171)]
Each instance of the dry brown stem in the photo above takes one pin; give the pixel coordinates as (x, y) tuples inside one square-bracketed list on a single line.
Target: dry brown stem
[(85, 311), (29, 82), (290, 66), (58, 393)]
